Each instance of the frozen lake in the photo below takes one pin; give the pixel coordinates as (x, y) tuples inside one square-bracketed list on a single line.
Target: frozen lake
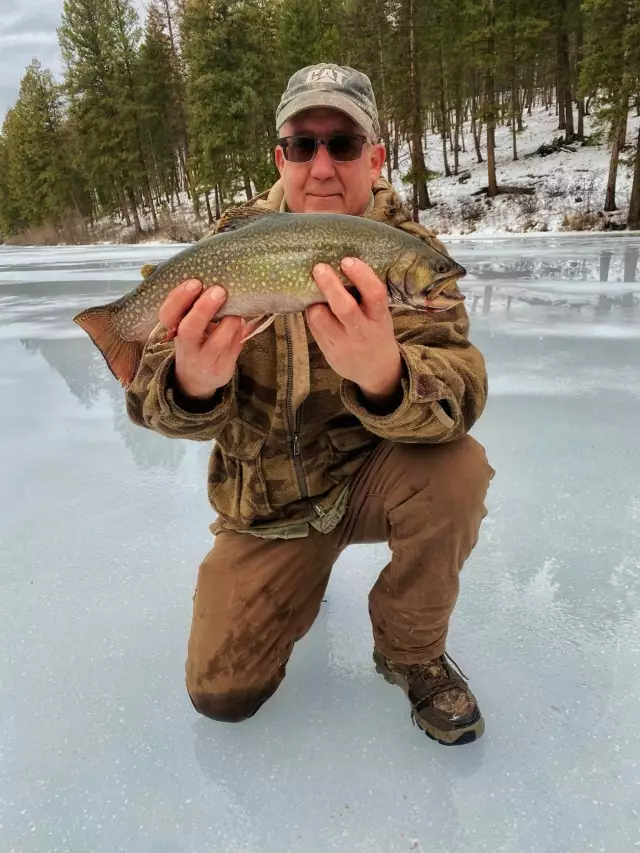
[(103, 525)]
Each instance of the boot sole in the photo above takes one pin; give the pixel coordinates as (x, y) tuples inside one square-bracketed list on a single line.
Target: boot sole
[(458, 737)]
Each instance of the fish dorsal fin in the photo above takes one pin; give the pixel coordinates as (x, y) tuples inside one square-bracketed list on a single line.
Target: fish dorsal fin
[(238, 217), (148, 269)]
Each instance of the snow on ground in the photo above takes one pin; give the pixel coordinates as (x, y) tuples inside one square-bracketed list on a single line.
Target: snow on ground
[(566, 184)]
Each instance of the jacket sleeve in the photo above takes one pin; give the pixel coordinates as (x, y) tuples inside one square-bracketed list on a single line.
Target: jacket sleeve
[(153, 400), (444, 383)]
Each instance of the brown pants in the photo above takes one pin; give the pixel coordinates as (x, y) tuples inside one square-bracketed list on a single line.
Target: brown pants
[(256, 597)]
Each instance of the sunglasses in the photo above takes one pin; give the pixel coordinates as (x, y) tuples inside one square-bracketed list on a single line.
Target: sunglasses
[(343, 148)]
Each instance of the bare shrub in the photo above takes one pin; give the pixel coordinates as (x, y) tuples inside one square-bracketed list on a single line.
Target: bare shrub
[(42, 235), (178, 229), (72, 230), (471, 211), (579, 221), (528, 204)]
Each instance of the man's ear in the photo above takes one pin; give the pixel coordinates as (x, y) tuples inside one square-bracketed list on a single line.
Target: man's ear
[(378, 156), (279, 158)]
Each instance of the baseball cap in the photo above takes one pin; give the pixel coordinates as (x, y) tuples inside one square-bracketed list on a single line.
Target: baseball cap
[(327, 85)]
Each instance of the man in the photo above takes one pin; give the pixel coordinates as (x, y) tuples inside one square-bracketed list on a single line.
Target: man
[(345, 425)]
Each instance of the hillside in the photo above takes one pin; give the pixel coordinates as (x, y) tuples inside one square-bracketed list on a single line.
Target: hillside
[(569, 186)]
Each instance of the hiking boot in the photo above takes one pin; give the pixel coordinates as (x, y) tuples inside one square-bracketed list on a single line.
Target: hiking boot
[(441, 703)]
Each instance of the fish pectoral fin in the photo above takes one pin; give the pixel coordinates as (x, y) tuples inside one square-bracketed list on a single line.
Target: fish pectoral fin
[(239, 217), (257, 325), (122, 356)]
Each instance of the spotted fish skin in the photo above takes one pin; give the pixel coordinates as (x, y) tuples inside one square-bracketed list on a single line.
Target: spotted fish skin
[(266, 267)]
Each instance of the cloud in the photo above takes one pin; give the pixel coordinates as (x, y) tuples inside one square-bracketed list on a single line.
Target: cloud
[(26, 33)]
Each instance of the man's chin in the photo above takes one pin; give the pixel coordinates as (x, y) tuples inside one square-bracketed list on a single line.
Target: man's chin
[(324, 204)]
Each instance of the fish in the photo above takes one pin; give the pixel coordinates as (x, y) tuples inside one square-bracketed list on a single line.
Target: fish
[(264, 260)]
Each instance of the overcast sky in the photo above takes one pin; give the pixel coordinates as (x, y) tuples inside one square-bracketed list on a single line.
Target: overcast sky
[(28, 30)]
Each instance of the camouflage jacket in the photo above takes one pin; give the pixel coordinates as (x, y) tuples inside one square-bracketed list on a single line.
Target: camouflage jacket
[(288, 433)]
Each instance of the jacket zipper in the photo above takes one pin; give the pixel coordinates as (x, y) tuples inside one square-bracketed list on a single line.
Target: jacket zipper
[(293, 420)]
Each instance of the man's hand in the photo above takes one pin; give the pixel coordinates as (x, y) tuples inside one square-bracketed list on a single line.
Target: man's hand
[(358, 341), (206, 351)]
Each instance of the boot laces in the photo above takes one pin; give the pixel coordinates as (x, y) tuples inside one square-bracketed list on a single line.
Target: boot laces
[(440, 666), (426, 669)]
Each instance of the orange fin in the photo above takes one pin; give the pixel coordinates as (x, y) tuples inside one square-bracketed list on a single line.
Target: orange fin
[(122, 356)]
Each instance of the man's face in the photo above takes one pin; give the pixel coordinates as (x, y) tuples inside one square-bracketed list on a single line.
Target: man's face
[(322, 185)]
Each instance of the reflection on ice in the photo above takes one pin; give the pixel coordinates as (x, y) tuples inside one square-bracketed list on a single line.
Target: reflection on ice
[(87, 377)]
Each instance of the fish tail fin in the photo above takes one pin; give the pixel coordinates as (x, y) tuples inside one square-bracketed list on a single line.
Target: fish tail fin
[(122, 356)]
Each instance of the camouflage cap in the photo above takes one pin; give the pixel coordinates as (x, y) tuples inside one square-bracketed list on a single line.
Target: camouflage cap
[(336, 86)]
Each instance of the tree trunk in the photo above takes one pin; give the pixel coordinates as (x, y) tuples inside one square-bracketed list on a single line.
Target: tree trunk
[(459, 134), (218, 214), (421, 195), (247, 187), (447, 170), (443, 113), (474, 113), (580, 55), (125, 213), (491, 106), (515, 109), (581, 118), (152, 208), (564, 72), (519, 108), (396, 146), (610, 199), (622, 139), (384, 124), (209, 212), (477, 138), (134, 211), (633, 222)]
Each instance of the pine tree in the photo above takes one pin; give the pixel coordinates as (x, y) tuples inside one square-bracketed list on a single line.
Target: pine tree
[(229, 51), (99, 41), (41, 186), (607, 74), (158, 91)]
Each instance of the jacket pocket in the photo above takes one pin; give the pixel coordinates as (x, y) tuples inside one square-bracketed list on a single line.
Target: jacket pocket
[(237, 486), (350, 448)]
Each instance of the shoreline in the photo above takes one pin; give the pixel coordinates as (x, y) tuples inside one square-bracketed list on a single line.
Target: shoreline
[(445, 238)]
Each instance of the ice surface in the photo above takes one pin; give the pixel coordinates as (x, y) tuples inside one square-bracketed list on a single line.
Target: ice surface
[(102, 527)]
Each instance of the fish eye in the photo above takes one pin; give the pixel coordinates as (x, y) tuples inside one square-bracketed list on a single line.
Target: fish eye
[(441, 267)]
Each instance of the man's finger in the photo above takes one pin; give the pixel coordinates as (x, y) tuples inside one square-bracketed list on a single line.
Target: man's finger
[(222, 338), (192, 328), (375, 298), (323, 324), (178, 302), (343, 305)]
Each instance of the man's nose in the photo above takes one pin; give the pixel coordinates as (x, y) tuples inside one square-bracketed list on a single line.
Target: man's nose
[(322, 165)]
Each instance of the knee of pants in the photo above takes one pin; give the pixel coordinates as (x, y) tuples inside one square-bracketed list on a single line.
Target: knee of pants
[(458, 470), (235, 706)]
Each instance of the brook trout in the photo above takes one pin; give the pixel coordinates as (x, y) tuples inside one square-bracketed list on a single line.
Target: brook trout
[(264, 263)]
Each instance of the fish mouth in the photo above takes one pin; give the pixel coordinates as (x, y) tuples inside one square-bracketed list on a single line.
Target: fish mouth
[(439, 297), (445, 294)]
